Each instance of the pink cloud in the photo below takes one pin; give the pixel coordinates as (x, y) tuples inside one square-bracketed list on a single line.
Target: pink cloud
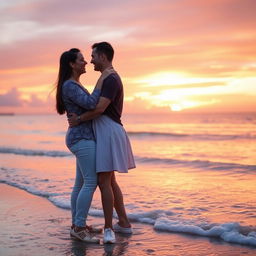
[(11, 98), (213, 38)]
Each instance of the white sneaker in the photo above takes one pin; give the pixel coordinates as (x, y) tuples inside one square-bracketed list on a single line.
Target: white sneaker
[(84, 235), (117, 228), (109, 236)]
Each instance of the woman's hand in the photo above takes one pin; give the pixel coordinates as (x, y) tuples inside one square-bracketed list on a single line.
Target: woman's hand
[(73, 120), (107, 72)]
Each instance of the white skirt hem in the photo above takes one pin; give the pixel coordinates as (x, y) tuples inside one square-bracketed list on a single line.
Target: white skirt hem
[(113, 148)]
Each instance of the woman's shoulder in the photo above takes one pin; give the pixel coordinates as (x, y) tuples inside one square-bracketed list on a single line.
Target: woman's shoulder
[(69, 82), (71, 86)]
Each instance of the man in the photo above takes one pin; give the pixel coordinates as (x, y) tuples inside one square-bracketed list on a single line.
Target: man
[(113, 150)]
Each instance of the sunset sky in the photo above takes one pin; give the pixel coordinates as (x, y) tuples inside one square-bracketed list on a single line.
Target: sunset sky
[(173, 55)]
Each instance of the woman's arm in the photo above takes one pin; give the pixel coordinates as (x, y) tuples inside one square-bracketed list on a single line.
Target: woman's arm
[(80, 97), (73, 92), (75, 120)]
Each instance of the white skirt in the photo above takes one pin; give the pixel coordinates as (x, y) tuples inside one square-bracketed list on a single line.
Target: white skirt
[(113, 148)]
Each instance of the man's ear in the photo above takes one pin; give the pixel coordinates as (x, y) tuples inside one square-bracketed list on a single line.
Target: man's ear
[(103, 57)]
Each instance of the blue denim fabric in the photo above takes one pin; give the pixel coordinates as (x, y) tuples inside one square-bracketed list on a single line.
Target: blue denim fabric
[(85, 182), (78, 100)]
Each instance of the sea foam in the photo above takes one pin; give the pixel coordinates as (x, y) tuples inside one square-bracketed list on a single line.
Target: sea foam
[(229, 232), (34, 152), (163, 220)]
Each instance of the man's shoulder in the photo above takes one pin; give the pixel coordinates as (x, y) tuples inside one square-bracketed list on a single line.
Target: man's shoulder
[(113, 78)]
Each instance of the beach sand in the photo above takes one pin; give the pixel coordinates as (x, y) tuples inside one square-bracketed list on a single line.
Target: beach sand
[(31, 225)]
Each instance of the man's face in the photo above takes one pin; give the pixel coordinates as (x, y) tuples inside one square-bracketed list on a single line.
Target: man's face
[(96, 60)]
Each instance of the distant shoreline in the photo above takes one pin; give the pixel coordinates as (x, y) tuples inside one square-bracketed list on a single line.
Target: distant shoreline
[(141, 113), (6, 114)]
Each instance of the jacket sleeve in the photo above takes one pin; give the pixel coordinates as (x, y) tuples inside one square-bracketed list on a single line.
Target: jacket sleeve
[(77, 95)]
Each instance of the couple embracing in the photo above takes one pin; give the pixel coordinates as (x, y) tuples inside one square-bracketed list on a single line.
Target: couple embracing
[(97, 139)]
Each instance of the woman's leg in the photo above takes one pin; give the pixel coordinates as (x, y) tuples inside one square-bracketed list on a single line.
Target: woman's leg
[(119, 203), (107, 198), (85, 155), (76, 189)]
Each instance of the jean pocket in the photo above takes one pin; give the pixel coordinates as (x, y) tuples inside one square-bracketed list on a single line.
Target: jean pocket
[(82, 145)]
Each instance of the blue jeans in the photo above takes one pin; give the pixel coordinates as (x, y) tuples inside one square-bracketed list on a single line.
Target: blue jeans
[(85, 182)]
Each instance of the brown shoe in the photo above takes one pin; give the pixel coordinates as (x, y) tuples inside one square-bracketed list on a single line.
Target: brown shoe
[(94, 229), (84, 235)]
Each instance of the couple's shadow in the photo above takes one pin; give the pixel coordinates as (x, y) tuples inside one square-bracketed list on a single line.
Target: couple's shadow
[(79, 248)]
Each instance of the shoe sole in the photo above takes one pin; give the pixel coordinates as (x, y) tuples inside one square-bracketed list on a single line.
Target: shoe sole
[(95, 230), (79, 239)]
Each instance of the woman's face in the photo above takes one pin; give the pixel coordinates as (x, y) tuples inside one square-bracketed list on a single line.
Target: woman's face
[(79, 65)]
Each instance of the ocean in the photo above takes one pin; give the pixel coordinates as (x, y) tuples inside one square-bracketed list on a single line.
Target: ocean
[(196, 173)]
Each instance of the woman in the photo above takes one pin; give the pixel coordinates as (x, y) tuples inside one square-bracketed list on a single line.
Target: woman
[(71, 96)]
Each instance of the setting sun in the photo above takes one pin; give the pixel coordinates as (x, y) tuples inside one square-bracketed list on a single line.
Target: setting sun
[(175, 107)]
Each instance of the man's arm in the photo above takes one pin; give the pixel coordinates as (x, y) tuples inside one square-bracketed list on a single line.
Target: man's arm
[(75, 120)]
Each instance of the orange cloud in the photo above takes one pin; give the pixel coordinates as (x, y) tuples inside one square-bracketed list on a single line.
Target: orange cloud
[(209, 44)]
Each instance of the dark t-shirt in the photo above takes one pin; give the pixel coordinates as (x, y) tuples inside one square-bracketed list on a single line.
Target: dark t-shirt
[(112, 89)]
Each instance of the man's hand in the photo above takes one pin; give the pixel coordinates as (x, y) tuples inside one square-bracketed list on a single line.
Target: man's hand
[(73, 120)]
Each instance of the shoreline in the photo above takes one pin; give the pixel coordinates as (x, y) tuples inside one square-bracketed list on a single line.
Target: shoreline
[(31, 225)]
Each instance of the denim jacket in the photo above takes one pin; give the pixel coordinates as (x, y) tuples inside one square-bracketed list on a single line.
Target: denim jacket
[(78, 100)]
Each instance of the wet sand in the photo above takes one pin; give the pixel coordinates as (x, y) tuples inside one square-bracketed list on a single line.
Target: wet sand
[(31, 225)]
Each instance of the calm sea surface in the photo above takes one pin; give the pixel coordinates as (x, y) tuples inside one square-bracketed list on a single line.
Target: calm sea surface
[(196, 173)]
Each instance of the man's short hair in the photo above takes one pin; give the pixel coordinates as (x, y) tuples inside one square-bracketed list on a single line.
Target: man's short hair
[(104, 48)]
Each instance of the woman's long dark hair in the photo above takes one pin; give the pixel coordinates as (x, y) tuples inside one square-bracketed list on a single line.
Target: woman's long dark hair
[(65, 72)]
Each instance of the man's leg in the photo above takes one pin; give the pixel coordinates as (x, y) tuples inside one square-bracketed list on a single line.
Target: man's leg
[(107, 197), (119, 203)]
